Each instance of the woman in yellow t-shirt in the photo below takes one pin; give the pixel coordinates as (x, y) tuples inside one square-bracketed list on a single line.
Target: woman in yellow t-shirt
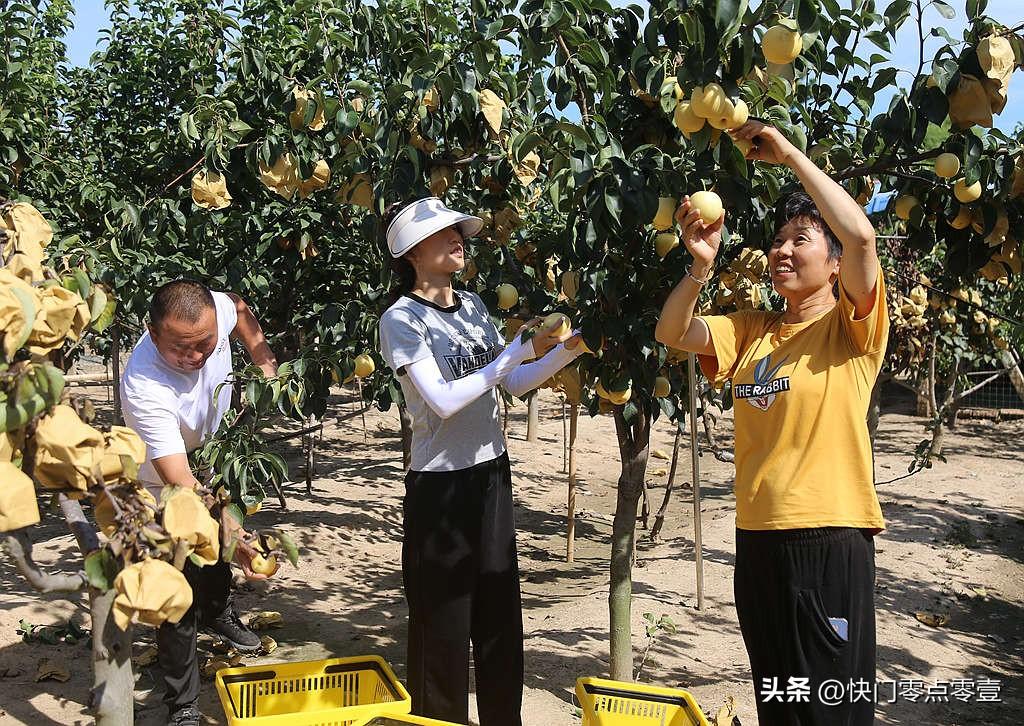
[(806, 509)]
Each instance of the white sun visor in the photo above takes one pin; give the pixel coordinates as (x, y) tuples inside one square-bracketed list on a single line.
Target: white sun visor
[(423, 218)]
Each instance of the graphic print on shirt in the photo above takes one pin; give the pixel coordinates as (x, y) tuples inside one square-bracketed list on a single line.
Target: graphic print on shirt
[(471, 351), (762, 392)]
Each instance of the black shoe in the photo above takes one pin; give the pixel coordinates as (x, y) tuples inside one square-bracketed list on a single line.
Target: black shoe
[(230, 628), (186, 716)]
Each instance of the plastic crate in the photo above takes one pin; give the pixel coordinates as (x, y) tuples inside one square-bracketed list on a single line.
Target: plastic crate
[(332, 692), (615, 703), (394, 719)]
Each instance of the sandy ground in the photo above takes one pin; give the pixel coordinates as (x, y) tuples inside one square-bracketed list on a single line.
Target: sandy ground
[(954, 546)]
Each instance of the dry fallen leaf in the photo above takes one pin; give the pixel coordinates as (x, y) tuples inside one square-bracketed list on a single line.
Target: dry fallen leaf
[(932, 620), (659, 454), (725, 714), (268, 643), (50, 670), (212, 665), (659, 472), (266, 619)]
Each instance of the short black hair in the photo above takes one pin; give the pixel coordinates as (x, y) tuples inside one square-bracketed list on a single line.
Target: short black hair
[(799, 205), (184, 300)]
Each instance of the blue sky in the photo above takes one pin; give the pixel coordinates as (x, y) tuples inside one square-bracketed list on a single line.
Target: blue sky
[(91, 16)]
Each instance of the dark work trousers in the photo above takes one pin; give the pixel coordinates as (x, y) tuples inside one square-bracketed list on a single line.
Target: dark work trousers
[(462, 584), (805, 601), (176, 642)]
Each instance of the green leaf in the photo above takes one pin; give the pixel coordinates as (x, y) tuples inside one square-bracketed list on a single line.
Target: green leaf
[(100, 569), (289, 547), (106, 317), (944, 9), (82, 282)]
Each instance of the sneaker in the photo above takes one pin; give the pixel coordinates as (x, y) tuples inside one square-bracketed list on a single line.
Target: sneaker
[(186, 716), (230, 628)]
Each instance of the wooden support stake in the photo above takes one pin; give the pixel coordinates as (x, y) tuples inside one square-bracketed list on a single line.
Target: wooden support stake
[(308, 447), (533, 417), (565, 441), (362, 408), (694, 455), (570, 545)]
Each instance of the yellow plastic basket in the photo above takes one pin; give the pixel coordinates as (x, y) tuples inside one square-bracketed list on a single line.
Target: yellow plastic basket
[(394, 719), (615, 703), (333, 692)]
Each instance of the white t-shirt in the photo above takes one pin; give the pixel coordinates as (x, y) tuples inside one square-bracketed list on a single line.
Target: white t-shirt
[(173, 411)]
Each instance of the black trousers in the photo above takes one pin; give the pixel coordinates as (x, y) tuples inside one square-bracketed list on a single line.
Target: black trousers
[(461, 579), (176, 642), (797, 591)]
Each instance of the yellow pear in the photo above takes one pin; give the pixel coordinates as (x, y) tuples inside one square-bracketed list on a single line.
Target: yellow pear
[(708, 101), (781, 45), (665, 242), (663, 218), (508, 296), (364, 365), (709, 205), (962, 219), (947, 165), (905, 205), (740, 114), (556, 324), (685, 119), (967, 194), (264, 565)]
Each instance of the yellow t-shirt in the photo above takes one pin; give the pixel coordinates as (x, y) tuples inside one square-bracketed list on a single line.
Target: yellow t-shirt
[(801, 394)]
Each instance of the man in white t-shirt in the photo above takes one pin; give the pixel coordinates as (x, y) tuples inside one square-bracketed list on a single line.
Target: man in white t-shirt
[(169, 396)]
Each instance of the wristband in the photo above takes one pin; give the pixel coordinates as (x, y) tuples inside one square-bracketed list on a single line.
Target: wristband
[(689, 273)]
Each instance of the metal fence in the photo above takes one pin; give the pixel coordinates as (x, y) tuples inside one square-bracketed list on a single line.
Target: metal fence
[(994, 389)]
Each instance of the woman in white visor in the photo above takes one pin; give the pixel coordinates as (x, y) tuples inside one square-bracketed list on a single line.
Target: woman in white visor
[(459, 547)]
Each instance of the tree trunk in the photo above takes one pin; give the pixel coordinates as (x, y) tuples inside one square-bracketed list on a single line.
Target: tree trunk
[(645, 510), (933, 404), (406, 419), (570, 530), (115, 361), (634, 443), (944, 413), (875, 409), (112, 697), (659, 518), (1016, 378), (533, 417), (874, 417)]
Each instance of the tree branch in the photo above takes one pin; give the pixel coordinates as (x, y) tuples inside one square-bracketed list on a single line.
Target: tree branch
[(887, 164), (581, 98), (19, 546), (964, 394)]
